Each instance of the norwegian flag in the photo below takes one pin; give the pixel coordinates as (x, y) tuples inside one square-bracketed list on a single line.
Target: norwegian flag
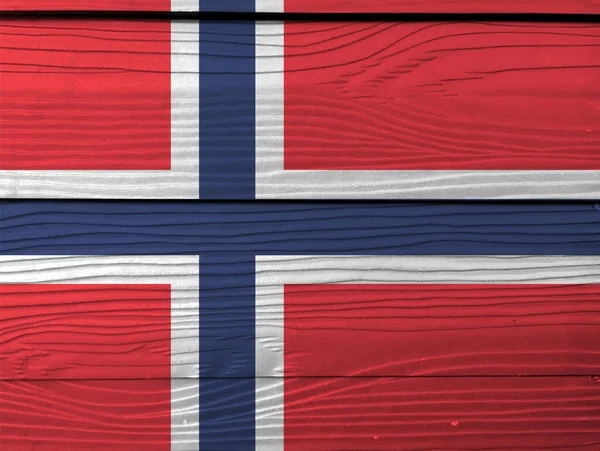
[(242, 110)]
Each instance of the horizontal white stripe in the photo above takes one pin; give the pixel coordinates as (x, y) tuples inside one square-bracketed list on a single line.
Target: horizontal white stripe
[(180, 272), (278, 270)]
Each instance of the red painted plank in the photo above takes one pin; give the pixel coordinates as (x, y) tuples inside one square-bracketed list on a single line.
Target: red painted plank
[(443, 6), (431, 96), (92, 415), (442, 414), (432, 329), (85, 95), (93, 5), (364, 6), (85, 331)]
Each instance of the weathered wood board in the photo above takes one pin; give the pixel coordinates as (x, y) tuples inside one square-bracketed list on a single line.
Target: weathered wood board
[(95, 318), (396, 414), (244, 110), (540, 413), (313, 6), (99, 414), (309, 325), (137, 317), (362, 315)]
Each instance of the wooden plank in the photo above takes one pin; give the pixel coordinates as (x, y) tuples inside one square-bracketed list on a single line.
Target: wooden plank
[(312, 6), (555, 413), (492, 316), (99, 415), (391, 316), (99, 317), (231, 229), (99, 109), (100, 5), (312, 110), (399, 414), (426, 110), (430, 6)]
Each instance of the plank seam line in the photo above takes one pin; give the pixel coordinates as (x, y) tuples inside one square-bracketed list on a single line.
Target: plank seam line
[(312, 17), (308, 202)]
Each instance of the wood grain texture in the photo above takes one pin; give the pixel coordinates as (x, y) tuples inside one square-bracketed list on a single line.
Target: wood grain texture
[(422, 316), (98, 317), (363, 110), (505, 412), (85, 331), (430, 6), (442, 96), (427, 110), (363, 6), (70, 91), (99, 415), (99, 5), (441, 329), (309, 228), (97, 109), (419, 414)]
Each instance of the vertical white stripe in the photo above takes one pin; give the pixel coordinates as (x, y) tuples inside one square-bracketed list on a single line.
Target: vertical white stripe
[(185, 418), (185, 360), (269, 408), (269, 392), (185, 5), (269, 6), (185, 106), (269, 101)]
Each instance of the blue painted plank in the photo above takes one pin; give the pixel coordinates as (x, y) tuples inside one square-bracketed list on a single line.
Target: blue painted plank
[(80, 227)]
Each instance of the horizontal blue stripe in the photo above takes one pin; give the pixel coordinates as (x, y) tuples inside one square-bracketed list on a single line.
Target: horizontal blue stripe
[(83, 227)]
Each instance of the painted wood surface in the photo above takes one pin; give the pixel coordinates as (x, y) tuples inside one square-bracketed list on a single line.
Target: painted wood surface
[(90, 107), (432, 413), (420, 316), (309, 228), (100, 5), (375, 414), (99, 415), (313, 110), (492, 316), (517, 401), (428, 110), (312, 6)]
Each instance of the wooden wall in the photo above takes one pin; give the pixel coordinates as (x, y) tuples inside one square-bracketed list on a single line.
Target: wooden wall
[(242, 321)]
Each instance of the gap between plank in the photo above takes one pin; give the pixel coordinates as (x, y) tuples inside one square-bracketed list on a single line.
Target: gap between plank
[(307, 17)]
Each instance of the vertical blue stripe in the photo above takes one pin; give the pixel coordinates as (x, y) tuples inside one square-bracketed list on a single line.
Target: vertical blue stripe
[(227, 109), (227, 5), (227, 349)]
